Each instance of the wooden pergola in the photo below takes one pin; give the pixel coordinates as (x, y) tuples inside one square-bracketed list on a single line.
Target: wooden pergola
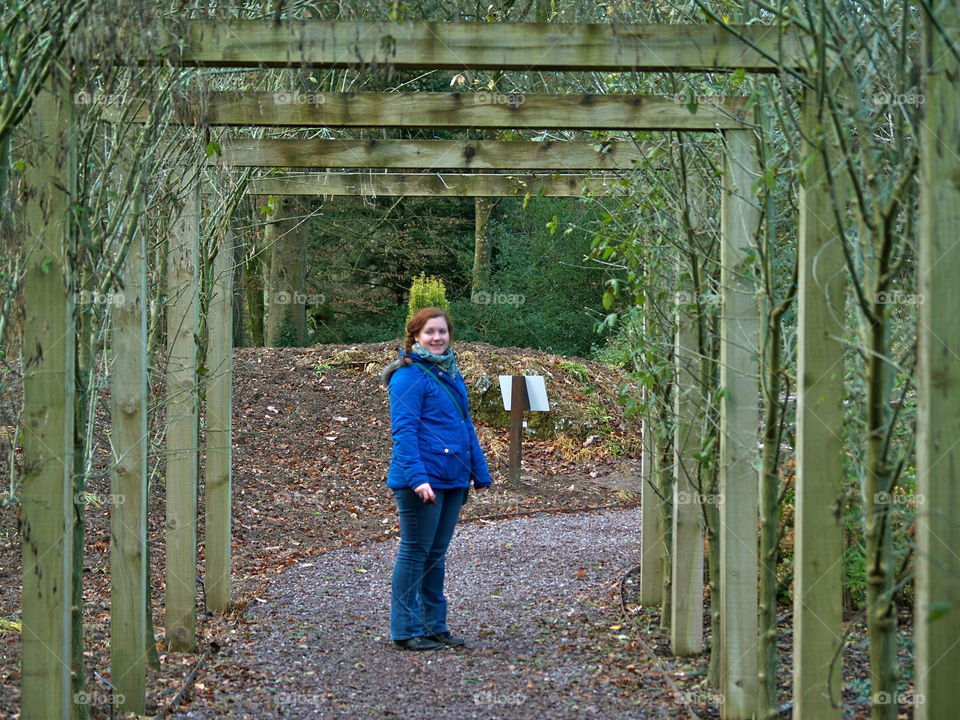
[(539, 168)]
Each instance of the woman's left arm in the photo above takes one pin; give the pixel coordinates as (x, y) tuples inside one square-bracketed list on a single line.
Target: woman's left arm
[(479, 471)]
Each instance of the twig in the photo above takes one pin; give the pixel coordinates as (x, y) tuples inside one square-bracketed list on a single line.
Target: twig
[(174, 703)]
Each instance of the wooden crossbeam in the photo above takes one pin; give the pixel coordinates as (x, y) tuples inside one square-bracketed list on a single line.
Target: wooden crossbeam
[(684, 111), (430, 154), (498, 46), (435, 184)]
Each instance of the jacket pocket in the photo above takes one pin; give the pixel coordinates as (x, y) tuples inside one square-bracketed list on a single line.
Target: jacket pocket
[(449, 462)]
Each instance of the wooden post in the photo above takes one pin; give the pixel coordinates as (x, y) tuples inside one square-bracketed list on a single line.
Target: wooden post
[(219, 476), (937, 616), (652, 545), (818, 550), (518, 403), (128, 509), (182, 423), (686, 622), (739, 421), (46, 521)]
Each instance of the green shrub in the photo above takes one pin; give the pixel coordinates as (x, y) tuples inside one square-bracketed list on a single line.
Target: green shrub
[(426, 291)]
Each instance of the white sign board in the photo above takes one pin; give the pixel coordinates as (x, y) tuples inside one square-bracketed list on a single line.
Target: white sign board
[(536, 392)]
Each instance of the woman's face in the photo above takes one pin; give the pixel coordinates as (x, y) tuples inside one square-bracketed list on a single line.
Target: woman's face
[(434, 336)]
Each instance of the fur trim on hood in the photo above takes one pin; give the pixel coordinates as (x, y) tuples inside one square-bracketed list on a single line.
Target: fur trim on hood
[(389, 370)]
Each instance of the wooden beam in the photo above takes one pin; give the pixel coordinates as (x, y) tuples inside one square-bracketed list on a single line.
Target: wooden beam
[(431, 154), (818, 566), (47, 507), (437, 184), (739, 420), (684, 111), (601, 47), (937, 616)]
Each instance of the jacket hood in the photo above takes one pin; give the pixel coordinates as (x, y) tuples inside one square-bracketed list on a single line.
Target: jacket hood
[(390, 369)]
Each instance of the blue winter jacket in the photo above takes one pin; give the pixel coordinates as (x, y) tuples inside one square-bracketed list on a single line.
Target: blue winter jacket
[(433, 441)]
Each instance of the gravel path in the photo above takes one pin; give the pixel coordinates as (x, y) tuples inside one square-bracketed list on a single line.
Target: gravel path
[(524, 592)]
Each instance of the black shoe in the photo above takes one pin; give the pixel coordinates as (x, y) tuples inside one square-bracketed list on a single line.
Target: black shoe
[(447, 639), (418, 643)]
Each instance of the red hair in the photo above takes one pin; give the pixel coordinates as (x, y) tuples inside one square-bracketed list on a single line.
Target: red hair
[(418, 321)]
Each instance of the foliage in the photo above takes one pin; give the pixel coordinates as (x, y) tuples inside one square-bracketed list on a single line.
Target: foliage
[(541, 293), (426, 292)]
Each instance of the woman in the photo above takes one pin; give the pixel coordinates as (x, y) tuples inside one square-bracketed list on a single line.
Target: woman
[(436, 455)]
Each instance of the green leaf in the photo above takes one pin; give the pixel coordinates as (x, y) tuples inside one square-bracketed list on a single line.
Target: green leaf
[(692, 105), (268, 207), (608, 299), (19, 166), (45, 264), (213, 148), (526, 199)]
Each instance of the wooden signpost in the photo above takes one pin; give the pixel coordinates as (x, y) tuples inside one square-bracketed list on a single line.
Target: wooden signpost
[(520, 392), (519, 401)]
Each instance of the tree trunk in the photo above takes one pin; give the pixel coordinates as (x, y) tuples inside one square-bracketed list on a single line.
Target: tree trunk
[(239, 290), (651, 527), (286, 294), (663, 470), (84, 381), (711, 514), (769, 521), (878, 537), (483, 248), (253, 273)]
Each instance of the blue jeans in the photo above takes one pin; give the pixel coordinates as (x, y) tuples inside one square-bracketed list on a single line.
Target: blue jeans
[(417, 604)]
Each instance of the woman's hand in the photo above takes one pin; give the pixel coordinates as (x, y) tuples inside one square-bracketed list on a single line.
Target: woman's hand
[(425, 493)]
